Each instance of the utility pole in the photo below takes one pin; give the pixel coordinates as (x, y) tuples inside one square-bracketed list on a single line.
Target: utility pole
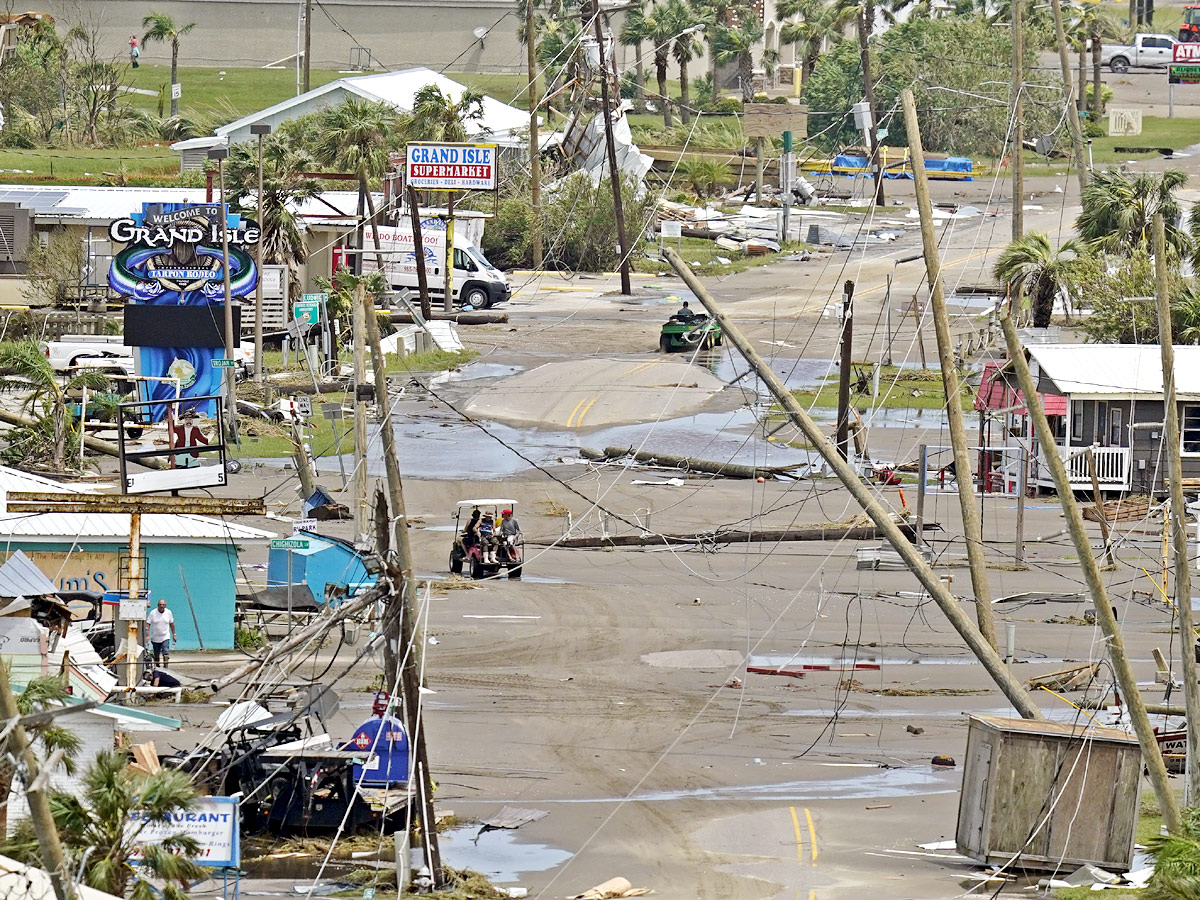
[(972, 529), (359, 339), (1178, 513), (307, 42), (847, 344), (53, 858), (535, 161), (866, 21), (396, 645), (219, 154), (419, 257), (1151, 755), (1064, 60), (882, 517), (613, 173), (261, 130), (1018, 105)]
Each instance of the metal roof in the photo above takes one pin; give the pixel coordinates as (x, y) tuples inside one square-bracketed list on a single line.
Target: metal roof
[(16, 480), (158, 528), (19, 577), (1116, 370)]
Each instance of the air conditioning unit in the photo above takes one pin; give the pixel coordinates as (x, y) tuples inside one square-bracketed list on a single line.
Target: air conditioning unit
[(16, 229)]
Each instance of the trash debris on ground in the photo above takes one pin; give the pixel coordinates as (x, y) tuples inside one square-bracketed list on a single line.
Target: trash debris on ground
[(1072, 679), (511, 817), (614, 887)]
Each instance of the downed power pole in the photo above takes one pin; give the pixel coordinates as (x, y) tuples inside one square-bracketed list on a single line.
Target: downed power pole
[(830, 532), (916, 563), (690, 464), (1087, 561), (972, 530), (1178, 513)]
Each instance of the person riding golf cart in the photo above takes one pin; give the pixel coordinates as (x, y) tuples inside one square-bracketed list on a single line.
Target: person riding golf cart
[(686, 330), (487, 538)]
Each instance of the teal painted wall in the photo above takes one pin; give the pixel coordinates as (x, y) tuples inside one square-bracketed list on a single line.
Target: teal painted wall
[(207, 570)]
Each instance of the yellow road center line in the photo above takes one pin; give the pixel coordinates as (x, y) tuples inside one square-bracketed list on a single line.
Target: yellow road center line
[(812, 832), (799, 834), (579, 422), (571, 417), (640, 366)]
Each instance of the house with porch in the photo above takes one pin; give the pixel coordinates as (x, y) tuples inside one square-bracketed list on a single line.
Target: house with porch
[(1109, 398)]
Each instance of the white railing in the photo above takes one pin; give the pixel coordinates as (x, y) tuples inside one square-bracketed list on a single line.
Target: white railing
[(1112, 467)]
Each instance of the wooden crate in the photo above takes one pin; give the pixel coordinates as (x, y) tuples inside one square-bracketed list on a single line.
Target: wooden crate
[(1060, 795)]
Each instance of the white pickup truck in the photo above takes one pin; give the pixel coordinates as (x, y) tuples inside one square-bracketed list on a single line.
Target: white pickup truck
[(1147, 51)]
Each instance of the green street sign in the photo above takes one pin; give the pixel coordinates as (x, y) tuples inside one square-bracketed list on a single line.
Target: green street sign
[(307, 312), (319, 297), (289, 544), (223, 363)]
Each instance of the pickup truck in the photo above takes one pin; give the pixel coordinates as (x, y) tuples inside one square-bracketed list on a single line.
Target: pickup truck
[(1146, 51)]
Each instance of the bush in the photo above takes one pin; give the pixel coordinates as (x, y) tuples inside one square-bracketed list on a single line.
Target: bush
[(247, 638), (1106, 94), (727, 105), (1092, 129)]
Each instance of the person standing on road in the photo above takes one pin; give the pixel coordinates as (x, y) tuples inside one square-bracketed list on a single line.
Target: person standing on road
[(134, 50), (162, 632)]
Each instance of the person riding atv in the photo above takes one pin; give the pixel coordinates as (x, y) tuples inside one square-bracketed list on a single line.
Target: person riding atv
[(686, 330)]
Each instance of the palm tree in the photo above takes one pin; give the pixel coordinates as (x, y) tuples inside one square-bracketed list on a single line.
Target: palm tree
[(161, 27), (633, 34), (1096, 23), (686, 48), (358, 136), (735, 44), (810, 23), (1031, 267), (39, 695), (863, 13), (436, 117), (94, 824), (663, 24), (26, 368), (284, 189), (558, 53), (1118, 209)]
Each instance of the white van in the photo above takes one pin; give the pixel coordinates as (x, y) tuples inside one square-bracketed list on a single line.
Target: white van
[(476, 282)]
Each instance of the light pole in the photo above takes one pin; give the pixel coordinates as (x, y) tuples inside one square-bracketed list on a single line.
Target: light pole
[(260, 130), (618, 207), (219, 154)]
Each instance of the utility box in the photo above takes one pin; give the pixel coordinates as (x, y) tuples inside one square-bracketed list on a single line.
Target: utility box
[(1056, 796)]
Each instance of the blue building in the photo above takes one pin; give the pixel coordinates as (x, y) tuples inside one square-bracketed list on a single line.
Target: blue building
[(191, 561), (328, 562)]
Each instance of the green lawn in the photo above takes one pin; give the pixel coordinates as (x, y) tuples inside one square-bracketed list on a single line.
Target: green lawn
[(84, 165), (898, 388), (216, 96), (704, 256)]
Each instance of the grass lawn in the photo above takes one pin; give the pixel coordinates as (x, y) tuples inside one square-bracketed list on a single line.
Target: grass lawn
[(1157, 131), (226, 94), (898, 388), (85, 165), (703, 256)]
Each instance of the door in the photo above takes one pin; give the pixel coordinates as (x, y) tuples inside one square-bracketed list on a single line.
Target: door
[(1100, 429), (1116, 436), (1156, 51)]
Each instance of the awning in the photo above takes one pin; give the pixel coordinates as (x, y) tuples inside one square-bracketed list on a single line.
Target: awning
[(994, 393)]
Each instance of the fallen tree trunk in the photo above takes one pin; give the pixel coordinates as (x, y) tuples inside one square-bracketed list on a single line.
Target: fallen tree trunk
[(460, 318), (688, 464), (767, 535), (92, 443)]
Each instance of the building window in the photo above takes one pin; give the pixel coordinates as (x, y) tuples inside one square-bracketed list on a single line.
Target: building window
[(1114, 427), (1190, 419), (1077, 421)]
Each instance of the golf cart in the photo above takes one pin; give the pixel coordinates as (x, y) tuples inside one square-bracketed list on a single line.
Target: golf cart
[(485, 560), (681, 333)]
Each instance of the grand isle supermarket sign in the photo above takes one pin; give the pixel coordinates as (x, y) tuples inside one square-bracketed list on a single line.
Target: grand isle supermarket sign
[(451, 167)]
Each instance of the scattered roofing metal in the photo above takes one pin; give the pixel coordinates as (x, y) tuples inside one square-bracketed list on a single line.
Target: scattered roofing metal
[(16, 480), (1116, 370), (19, 577), (512, 817)]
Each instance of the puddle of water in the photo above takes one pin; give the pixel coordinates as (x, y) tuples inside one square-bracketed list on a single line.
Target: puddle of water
[(302, 868), (661, 296), (498, 854), (542, 579), (901, 782), (477, 371)]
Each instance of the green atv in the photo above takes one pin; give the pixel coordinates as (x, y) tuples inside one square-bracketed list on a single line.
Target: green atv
[(689, 333)]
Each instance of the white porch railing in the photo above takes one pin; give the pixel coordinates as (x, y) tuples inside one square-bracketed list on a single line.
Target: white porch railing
[(1112, 468)]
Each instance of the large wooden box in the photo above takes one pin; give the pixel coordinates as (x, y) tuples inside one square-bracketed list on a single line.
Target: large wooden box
[(1059, 795)]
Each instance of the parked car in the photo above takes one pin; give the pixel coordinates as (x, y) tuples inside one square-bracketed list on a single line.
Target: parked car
[(1147, 51)]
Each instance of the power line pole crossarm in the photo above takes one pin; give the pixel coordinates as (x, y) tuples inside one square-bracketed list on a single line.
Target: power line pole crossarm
[(881, 516), (972, 529)]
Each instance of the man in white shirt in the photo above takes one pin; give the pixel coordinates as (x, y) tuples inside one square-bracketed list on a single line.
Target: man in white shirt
[(162, 632)]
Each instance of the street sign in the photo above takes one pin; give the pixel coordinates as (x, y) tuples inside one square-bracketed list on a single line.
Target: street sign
[(307, 312), (303, 406), (176, 91), (223, 363), (319, 297), (1184, 74), (451, 167), (334, 412), (770, 120), (289, 544)]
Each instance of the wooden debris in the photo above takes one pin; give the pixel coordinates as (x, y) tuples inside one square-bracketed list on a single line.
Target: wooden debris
[(1072, 679), (1121, 510), (145, 758), (768, 670)]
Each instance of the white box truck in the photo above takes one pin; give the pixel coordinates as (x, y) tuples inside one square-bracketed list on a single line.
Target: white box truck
[(476, 282)]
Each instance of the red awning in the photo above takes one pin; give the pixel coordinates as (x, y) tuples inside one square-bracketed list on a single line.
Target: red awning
[(994, 393)]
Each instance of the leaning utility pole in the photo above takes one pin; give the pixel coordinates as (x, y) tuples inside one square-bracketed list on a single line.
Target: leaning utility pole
[(1018, 111), (882, 517), (614, 174), (359, 340), (842, 438), (53, 858), (535, 162), (1105, 616), (1064, 60), (1179, 537), (307, 41), (972, 529), (395, 646)]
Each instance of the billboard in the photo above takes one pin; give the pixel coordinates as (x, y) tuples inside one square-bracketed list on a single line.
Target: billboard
[(451, 167), (173, 258), (212, 821)]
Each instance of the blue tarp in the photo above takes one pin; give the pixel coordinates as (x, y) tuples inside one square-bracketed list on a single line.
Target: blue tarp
[(955, 168)]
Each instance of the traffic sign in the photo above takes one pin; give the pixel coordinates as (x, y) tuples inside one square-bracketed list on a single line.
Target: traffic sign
[(289, 544), (304, 406), (319, 297), (307, 312), (223, 363)]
